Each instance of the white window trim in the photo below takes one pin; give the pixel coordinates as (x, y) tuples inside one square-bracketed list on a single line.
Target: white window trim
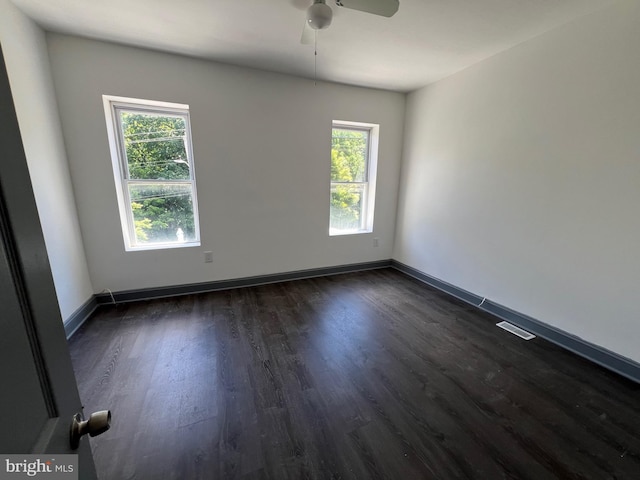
[(120, 168), (372, 174)]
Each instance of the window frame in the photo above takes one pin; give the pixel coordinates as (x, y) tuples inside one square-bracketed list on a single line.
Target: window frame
[(370, 174), (113, 105)]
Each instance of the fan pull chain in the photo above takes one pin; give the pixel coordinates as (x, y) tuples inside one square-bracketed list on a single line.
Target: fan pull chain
[(315, 58)]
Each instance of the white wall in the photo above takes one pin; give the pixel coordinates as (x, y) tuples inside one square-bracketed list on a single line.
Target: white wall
[(261, 144), (521, 179), (26, 57)]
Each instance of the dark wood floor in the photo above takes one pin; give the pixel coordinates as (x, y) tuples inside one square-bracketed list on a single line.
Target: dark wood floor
[(364, 375)]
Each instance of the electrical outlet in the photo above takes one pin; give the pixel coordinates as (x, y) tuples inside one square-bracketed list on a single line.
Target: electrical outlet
[(376, 242), (208, 257)]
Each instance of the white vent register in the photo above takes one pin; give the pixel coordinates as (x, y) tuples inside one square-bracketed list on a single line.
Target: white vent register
[(515, 330)]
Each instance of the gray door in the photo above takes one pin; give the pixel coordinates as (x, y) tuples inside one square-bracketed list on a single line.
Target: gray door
[(38, 393)]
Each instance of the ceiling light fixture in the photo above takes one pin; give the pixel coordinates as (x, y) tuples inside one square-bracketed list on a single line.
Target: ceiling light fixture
[(319, 15)]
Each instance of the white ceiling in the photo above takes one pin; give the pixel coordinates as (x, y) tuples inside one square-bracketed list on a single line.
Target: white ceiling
[(424, 42)]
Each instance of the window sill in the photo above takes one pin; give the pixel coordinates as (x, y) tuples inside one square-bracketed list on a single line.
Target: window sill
[(161, 246), (340, 233)]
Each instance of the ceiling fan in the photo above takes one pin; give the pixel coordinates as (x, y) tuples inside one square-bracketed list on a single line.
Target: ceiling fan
[(319, 14)]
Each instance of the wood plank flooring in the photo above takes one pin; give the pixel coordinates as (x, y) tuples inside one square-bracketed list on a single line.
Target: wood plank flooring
[(368, 375)]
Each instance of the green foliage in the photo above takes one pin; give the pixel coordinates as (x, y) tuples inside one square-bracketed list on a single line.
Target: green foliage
[(155, 146), (348, 164), (159, 210), (141, 223), (348, 155)]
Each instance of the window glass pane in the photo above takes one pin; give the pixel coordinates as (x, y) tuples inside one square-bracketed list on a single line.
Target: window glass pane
[(155, 146), (346, 207), (162, 213), (349, 155)]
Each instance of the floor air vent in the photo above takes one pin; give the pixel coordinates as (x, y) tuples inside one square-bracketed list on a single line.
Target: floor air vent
[(515, 330)]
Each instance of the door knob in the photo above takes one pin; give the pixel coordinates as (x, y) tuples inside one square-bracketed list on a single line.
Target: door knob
[(99, 422)]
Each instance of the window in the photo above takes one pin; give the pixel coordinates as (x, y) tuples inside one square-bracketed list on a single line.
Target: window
[(353, 173), (153, 169)]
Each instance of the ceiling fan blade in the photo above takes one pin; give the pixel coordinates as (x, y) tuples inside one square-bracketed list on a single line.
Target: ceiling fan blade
[(385, 8), (300, 4), (308, 35)]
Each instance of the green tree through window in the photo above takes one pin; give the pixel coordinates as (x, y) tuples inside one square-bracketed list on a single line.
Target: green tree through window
[(153, 168), (156, 149), (349, 178)]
